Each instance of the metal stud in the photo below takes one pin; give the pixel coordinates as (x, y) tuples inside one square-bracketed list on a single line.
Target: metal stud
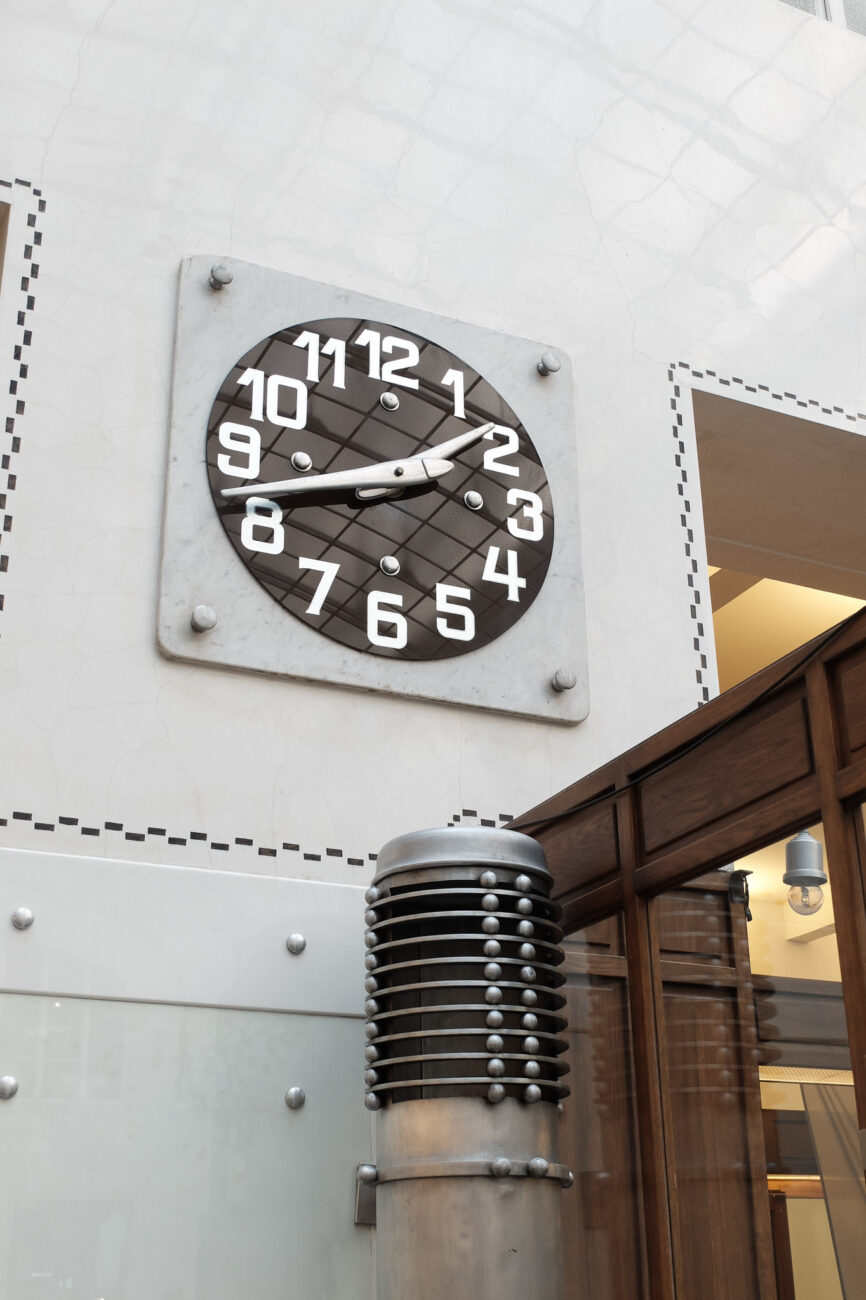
[(529, 997), (564, 679), (532, 1093), (526, 951), (494, 1019), (548, 364), (568, 1180), (492, 971), (500, 1167), (532, 1069), (372, 894), (371, 983), (490, 925), (371, 1076), (203, 618), (370, 916), (8, 1087), (525, 906), (390, 401), (529, 1020), (531, 1045), (370, 939), (490, 903), (371, 1029), (474, 500), (496, 1092), (371, 1101), (220, 276), (561, 1111), (525, 928), (488, 879), (527, 974), (301, 461), (371, 1006), (493, 994), (367, 1174), (371, 961), (296, 943), (371, 1053), (523, 883), (22, 918), (492, 948), (390, 565), (495, 1066), (495, 1043), (538, 1167), (295, 1098)]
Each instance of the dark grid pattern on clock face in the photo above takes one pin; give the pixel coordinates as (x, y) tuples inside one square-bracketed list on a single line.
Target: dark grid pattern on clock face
[(433, 534)]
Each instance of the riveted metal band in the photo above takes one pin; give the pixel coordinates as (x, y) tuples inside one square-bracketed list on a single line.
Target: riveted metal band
[(474, 1169)]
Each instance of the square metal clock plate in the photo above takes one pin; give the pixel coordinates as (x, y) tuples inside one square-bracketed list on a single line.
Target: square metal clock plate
[(203, 562)]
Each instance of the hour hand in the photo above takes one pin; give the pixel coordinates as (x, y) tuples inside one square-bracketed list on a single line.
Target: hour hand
[(394, 474), (451, 447)]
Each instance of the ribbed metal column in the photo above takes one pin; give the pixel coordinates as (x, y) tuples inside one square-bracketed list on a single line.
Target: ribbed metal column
[(464, 1067)]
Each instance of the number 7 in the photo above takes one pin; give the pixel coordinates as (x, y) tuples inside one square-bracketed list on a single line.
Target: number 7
[(328, 572)]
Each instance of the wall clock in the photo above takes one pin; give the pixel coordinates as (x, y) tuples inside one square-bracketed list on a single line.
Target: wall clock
[(370, 495)]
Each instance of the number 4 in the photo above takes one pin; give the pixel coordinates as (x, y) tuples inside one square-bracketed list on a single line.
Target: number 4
[(510, 578)]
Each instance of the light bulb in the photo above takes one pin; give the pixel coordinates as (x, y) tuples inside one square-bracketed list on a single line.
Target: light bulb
[(806, 900)]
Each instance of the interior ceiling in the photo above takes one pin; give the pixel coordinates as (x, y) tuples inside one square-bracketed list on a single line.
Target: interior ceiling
[(782, 497)]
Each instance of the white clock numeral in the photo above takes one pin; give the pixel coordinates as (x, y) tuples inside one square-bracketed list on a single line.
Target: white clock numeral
[(328, 571), (336, 348), (532, 510), (307, 339), (246, 442), (447, 597), (263, 515), (390, 368), (377, 616), (454, 379), (256, 380), (510, 578), (372, 341), (493, 457)]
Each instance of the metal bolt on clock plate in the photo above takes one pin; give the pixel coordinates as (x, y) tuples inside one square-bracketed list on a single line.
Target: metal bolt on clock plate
[(549, 363), (203, 618), (295, 1098), (301, 462), (22, 918), (474, 500), (296, 943), (220, 276), (390, 401), (564, 680), (390, 565), (8, 1087)]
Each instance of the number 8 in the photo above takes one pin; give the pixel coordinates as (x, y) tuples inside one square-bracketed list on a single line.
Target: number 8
[(262, 513)]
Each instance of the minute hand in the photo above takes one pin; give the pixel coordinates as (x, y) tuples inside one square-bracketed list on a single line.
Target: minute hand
[(397, 474), (452, 447)]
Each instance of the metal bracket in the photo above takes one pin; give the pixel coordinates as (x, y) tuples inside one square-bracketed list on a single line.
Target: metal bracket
[(366, 1177)]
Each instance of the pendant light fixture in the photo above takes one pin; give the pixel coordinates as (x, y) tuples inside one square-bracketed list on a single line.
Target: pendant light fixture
[(804, 873)]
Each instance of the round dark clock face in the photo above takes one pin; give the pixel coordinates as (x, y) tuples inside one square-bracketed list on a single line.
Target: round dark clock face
[(379, 488)]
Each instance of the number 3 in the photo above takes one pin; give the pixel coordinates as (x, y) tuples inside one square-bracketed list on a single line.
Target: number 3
[(532, 510)]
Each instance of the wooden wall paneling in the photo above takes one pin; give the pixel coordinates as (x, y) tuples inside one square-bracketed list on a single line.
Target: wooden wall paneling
[(782, 1246), (659, 1189), (844, 870)]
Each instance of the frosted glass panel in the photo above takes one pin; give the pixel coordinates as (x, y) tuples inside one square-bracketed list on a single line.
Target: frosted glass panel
[(149, 1153)]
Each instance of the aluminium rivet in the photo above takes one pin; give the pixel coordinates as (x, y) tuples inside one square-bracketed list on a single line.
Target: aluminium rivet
[(532, 1069), (523, 883), (390, 565), (568, 1180), (500, 1167), (564, 679), (370, 916), (371, 983), (495, 1066), (371, 1076), (531, 1045), (526, 951), (372, 894), (389, 401), (490, 903), (371, 1006), (203, 618), (492, 971), (295, 1098), (296, 943), (548, 364), (529, 997), (371, 1029), (301, 461), (496, 1092), (8, 1087), (529, 1020), (220, 276), (22, 918), (488, 879), (538, 1167), (493, 994), (371, 961), (490, 925), (494, 1019), (371, 1053), (370, 939), (474, 500), (525, 906), (527, 974), (531, 1093), (367, 1174), (494, 1043), (492, 948), (525, 928), (371, 1101)]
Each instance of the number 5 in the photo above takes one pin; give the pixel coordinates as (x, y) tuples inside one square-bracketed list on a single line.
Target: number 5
[(446, 598)]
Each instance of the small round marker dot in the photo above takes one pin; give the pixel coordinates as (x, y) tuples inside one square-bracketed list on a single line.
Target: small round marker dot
[(390, 401), (301, 462), (474, 500), (390, 565)]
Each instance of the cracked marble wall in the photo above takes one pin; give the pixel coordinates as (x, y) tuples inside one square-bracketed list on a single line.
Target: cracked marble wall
[(646, 183)]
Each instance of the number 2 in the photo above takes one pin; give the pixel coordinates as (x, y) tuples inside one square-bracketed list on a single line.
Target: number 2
[(493, 456)]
